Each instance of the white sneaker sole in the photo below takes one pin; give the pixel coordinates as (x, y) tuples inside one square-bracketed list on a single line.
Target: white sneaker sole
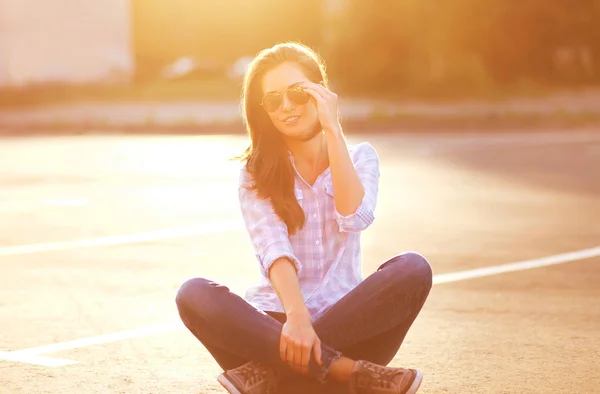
[(414, 387), (227, 384)]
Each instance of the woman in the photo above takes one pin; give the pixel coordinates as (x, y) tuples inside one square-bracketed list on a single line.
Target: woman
[(305, 197)]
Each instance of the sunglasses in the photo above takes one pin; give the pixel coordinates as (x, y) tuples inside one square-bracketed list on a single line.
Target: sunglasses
[(272, 101)]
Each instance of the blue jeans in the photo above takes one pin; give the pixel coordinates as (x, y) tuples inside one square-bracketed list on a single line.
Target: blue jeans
[(369, 323)]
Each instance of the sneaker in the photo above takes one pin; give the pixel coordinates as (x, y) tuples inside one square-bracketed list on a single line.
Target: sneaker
[(369, 378), (250, 378)]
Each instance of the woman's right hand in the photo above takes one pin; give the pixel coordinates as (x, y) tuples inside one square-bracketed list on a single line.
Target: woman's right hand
[(298, 341)]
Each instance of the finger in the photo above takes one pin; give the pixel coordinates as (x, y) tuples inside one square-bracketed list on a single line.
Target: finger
[(315, 85), (317, 349), (298, 350), (306, 350), (282, 348), (316, 98), (315, 93), (320, 88), (289, 358), (329, 99)]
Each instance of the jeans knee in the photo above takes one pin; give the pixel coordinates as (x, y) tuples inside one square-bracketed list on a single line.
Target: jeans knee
[(417, 267), (191, 291), (421, 267)]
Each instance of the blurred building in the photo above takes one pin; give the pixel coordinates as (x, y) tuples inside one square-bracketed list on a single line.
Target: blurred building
[(64, 41)]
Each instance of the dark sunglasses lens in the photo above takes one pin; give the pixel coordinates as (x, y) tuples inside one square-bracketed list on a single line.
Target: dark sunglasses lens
[(298, 96), (271, 102)]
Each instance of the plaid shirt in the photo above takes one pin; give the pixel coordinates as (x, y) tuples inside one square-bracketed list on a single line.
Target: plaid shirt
[(326, 251)]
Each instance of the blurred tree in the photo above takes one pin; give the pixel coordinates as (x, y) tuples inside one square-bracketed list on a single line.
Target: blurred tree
[(466, 45)]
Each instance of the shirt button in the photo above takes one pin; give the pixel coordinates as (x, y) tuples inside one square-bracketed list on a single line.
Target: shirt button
[(318, 242), (314, 215)]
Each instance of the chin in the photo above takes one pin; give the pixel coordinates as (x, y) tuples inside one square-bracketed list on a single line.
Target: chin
[(302, 133)]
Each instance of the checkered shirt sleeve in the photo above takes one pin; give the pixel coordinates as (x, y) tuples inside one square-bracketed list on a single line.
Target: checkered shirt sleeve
[(268, 233), (367, 168)]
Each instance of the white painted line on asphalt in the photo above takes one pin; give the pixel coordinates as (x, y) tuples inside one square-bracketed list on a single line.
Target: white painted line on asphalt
[(518, 266), (35, 359), (149, 236), (107, 338), (27, 355)]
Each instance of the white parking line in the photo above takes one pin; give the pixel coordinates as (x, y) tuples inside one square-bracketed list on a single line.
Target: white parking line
[(518, 266), (32, 355), (149, 236), (35, 359)]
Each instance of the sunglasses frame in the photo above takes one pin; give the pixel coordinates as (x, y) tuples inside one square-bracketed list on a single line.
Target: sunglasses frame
[(280, 95)]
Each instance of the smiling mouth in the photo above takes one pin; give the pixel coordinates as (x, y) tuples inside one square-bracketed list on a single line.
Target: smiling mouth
[(291, 119)]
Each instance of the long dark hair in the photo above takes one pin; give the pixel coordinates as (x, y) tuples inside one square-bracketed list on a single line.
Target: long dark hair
[(267, 158)]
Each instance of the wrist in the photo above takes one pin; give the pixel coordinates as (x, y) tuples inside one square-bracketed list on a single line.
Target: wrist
[(299, 314), (333, 130)]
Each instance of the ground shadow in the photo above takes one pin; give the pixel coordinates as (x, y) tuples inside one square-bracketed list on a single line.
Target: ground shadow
[(571, 167)]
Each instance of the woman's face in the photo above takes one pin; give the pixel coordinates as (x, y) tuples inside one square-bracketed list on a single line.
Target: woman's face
[(297, 120)]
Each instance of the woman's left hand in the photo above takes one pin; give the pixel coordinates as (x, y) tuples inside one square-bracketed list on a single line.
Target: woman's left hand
[(327, 105)]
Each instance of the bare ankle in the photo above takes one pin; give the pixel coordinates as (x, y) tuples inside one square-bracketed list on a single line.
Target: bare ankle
[(341, 369)]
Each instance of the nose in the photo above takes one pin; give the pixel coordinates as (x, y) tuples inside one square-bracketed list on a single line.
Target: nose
[(287, 104)]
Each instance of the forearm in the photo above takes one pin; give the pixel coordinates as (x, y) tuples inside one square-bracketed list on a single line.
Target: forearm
[(343, 174), (284, 278)]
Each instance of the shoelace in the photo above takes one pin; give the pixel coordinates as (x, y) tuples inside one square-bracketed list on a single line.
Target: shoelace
[(254, 373), (373, 376)]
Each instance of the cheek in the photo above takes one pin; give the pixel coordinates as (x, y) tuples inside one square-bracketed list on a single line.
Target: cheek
[(273, 117), (311, 113)]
